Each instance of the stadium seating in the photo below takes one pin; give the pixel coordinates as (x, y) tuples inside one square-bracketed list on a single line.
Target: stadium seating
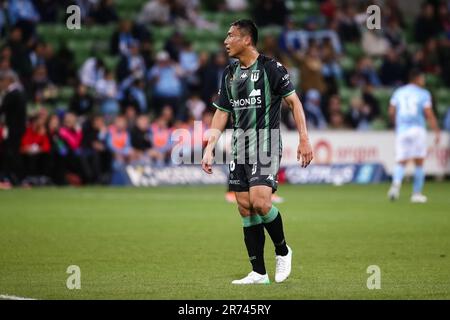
[(97, 38)]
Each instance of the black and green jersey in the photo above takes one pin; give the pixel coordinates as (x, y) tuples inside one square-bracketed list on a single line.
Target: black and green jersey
[(253, 96)]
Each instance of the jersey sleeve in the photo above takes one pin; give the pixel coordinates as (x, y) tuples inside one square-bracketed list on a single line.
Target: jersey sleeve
[(426, 100), (279, 79), (223, 102), (394, 99)]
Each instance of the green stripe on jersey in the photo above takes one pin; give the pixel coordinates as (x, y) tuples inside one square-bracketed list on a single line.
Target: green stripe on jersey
[(268, 100), (289, 93), (253, 139), (220, 108)]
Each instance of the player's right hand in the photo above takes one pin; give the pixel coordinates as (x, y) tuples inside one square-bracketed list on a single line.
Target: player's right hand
[(207, 162)]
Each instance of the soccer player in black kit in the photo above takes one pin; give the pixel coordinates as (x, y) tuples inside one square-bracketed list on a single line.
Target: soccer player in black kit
[(251, 91)]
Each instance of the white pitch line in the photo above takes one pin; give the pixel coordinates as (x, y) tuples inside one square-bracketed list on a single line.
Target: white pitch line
[(8, 297)]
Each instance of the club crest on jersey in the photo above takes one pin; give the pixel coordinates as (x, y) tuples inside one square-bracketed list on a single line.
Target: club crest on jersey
[(255, 75)]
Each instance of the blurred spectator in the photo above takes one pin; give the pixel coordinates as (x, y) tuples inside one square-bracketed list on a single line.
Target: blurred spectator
[(348, 28), (186, 13), (431, 62), (104, 12), (37, 54), (392, 71), (35, 148), (427, 25), (131, 63), (290, 40), (156, 12), (269, 12), (236, 5), (125, 35), (147, 54), (5, 64), (394, 35), (313, 113), (337, 121), (359, 116), (95, 158), (82, 102), (333, 106), (444, 17), (86, 6), (92, 70), (48, 10), (161, 132), (20, 60), (365, 71), (132, 93), (141, 141), (106, 93), (71, 132), (189, 63), (174, 45), (374, 43), (370, 100), (392, 12), (122, 38), (118, 142), (270, 47), (23, 15), (58, 150), (63, 69), (209, 75), (328, 9), (41, 88), (2, 21), (13, 107), (311, 70), (195, 106), (130, 113), (165, 78), (71, 135), (331, 70)]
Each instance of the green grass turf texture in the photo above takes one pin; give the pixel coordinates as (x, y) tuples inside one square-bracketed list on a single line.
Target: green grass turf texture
[(187, 243)]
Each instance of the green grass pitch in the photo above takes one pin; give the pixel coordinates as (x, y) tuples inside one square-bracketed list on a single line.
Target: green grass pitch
[(187, 243)]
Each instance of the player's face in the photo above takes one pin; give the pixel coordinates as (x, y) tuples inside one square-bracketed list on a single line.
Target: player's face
[(235, 42)]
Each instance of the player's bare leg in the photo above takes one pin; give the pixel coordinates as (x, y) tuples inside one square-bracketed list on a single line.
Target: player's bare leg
[(397, 178), (419, 180), (260, 201), (254, 241)]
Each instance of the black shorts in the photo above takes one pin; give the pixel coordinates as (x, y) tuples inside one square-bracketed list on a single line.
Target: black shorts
[(244, 176)]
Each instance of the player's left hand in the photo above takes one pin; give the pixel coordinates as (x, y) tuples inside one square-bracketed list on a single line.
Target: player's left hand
[(304, 152)]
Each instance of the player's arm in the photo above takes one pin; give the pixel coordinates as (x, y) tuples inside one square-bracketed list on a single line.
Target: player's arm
[(218, 124), (391, 113), (432, 122), (304, 150)]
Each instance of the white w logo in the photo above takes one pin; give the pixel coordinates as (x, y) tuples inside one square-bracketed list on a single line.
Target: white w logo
[(254, 76)]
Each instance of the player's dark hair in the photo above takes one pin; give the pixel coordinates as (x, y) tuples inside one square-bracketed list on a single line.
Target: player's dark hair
[(414, 73), (249, 27)]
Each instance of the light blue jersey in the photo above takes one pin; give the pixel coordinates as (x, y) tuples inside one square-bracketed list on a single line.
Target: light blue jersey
[(409, 102)]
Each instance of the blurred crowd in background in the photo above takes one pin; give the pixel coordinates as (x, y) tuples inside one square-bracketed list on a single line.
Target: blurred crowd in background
[(67, 120)]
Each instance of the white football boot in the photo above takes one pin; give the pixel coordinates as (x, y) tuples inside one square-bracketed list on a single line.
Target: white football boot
[(418, 198), (253, 278), (394, 192), (283, 266)]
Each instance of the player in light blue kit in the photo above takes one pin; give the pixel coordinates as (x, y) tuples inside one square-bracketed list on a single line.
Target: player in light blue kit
[(410, 108)]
